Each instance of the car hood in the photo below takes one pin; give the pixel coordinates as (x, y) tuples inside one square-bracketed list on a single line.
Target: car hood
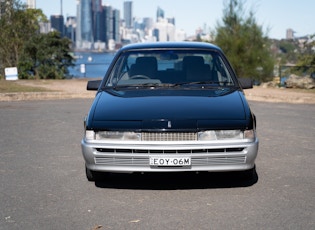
[(162, 110)]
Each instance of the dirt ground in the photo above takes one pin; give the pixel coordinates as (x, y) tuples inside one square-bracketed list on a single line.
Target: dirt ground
[(76, 88)]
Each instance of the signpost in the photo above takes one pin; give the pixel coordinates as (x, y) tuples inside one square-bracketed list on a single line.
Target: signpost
[(11, 73), (82, 69)]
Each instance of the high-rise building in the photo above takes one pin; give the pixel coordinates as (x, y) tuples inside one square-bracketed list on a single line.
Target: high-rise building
[(159, 14), (96, 25), (108, 16), (290, 34), (128, 14), (70, 28), (44, 27), (78, 26), (61, 7), (171, 20), (57, 23), (31, 4), (84, 28), (86, 21), (166, 30), (148, 23), (116, 25), (97, 21)]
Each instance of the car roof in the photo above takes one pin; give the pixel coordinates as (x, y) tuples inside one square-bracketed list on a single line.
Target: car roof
[(171, 45)]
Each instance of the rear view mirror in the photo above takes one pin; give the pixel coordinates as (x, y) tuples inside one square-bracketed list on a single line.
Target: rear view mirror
[(93, 85), (246, 83), (169, 55)]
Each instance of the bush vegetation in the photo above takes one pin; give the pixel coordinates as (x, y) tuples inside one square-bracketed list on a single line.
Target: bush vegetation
[(37, 55)]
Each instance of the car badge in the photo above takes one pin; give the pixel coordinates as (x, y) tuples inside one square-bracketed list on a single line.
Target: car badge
[(169, 124)]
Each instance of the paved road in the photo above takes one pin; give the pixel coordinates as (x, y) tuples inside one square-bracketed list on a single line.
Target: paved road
[(43, 183)]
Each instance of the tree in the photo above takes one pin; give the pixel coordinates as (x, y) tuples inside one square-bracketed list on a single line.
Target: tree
[(306, 60), (46, 56), (244, 42), (36, 55), (17, 24)]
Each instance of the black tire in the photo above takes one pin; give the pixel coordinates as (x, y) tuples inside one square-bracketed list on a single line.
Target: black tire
[(248, 174), (90, 175)]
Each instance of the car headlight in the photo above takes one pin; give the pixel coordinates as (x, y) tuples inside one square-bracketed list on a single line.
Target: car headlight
[(214, 135), (89, 135), (112, 135)]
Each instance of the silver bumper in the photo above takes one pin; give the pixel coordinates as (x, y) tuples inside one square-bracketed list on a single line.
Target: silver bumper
[(135, 157)]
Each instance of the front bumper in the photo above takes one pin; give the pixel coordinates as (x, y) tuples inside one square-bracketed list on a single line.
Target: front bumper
[(135, 157)]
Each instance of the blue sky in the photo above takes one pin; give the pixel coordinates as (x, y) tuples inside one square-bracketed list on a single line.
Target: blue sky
[(277, 15)]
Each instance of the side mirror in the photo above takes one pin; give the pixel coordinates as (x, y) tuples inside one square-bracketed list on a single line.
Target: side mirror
[(93, 85), (246, 83)]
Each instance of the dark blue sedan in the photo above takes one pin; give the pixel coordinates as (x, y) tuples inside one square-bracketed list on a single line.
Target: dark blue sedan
[(169, 107)]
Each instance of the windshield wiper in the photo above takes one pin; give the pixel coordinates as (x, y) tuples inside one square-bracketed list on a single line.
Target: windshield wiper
[(210, 84), (144, 85)]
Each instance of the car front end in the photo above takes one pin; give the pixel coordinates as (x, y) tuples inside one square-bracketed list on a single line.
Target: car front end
[(172, 119), (211, 150)]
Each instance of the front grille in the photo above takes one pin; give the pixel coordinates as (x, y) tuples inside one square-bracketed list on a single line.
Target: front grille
[(144, 161), (169, 151), (169, 136), (199, 157), (122, 161)]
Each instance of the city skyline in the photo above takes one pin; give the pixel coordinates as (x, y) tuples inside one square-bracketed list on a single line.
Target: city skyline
[(275, 16)]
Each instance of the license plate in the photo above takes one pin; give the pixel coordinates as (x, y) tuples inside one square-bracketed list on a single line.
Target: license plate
[(170, 161)]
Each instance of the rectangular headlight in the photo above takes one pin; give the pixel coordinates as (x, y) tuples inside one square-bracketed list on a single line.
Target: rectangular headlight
[(89, 135), (118, 136), (207, 136), (229, 134), (213, 135)]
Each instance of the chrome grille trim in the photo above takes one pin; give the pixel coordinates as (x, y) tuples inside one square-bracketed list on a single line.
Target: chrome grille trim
[(144, 161), (168, 136), (218, 160), (169, 151), (122, 161)]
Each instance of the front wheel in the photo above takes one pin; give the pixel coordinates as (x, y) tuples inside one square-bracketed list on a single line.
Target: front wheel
[(90, 175), (95, 175), (248, 174)]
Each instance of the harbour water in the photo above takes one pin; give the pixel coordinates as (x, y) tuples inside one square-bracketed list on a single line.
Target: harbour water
[(90, 64)]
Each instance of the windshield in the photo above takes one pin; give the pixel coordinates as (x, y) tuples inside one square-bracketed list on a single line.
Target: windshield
[(171, 68)]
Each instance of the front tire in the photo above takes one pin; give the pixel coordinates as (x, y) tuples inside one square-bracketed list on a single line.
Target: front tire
[(248, 174), (90, 175)]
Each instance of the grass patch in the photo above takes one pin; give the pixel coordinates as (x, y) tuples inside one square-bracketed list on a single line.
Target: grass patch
[(14, 87)]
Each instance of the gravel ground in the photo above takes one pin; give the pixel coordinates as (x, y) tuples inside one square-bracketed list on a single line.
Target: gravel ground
[(76, 88)]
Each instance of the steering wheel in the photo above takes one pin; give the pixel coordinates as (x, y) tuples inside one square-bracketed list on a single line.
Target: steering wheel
[(139, 77)]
